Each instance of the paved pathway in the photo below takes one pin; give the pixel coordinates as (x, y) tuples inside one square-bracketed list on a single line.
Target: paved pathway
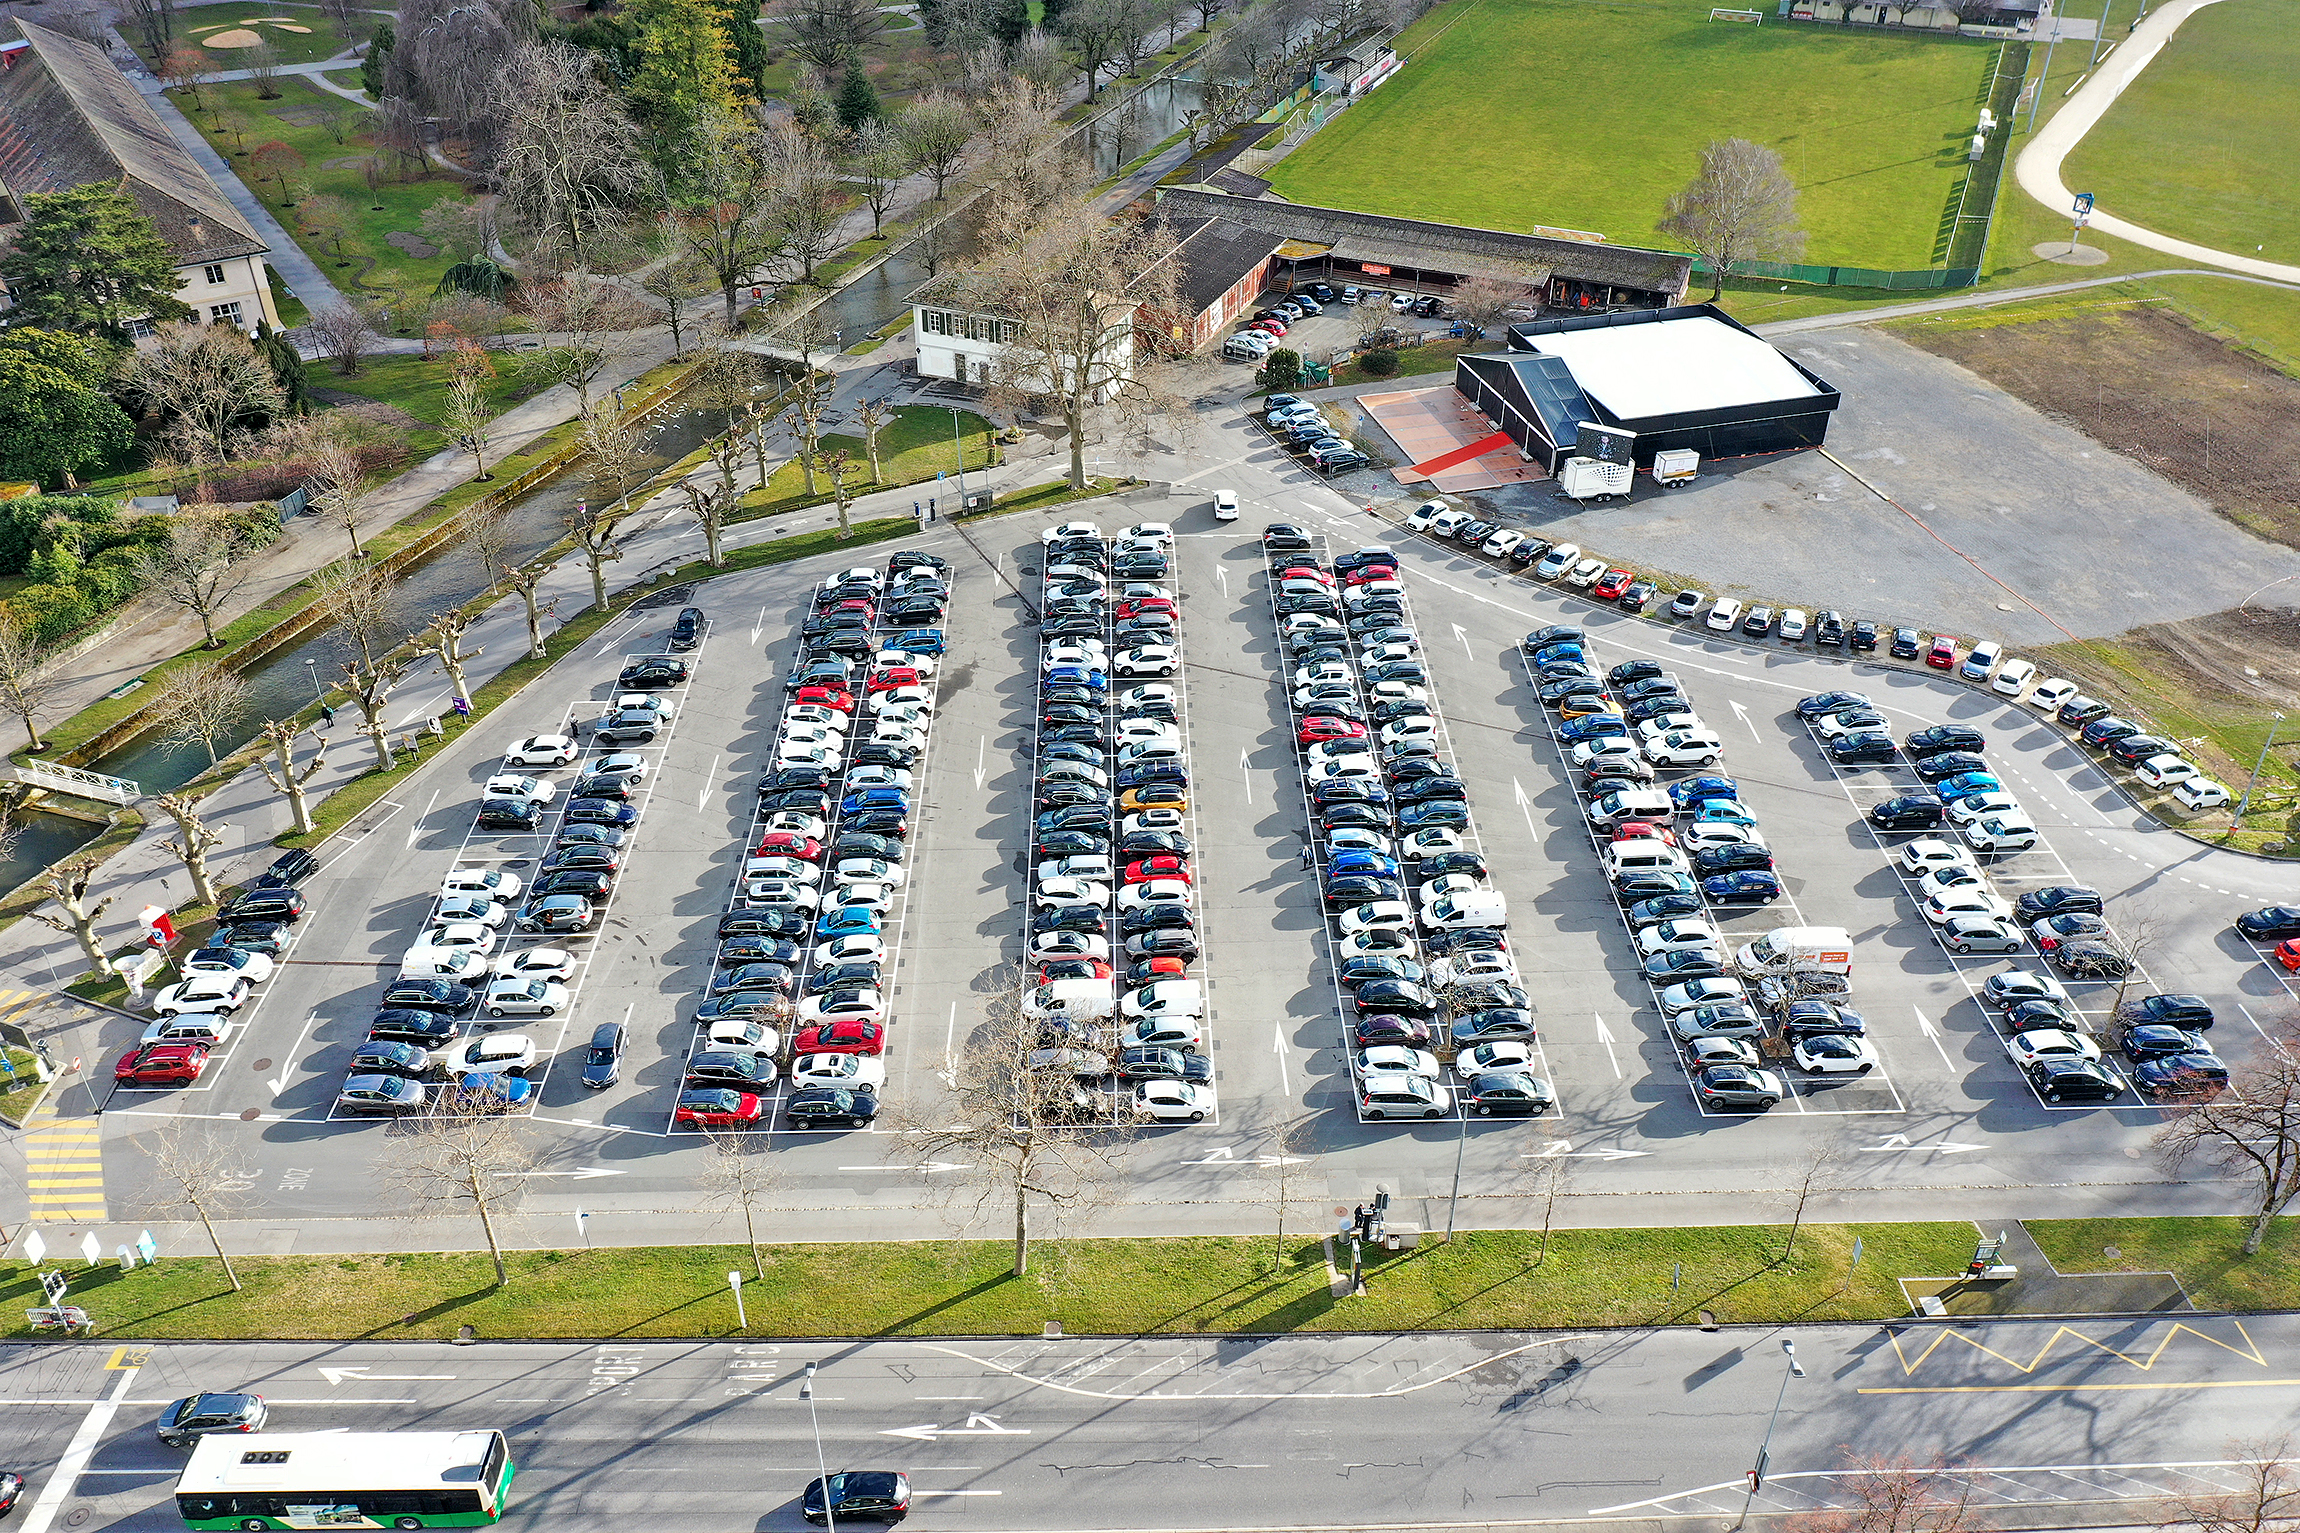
[(1990, 299), (2038, 168)]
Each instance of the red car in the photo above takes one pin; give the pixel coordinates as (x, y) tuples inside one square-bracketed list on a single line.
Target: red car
[(161, 1064), (1142, 604), (847, 1035), (1269, 326), (861, 604), (716, 1107), (785, 843), (1643, 830), (1319, 727), (1072, 968), (896, 676), (1366, 572), (837, 698), (1305, 572), (1943, 654), (1612, 584), (2288, 953), (1164, 866)]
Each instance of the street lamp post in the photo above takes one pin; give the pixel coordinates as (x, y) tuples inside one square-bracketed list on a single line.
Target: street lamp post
[(822, 1467), (1461, 1142), (2258, 761), (1796, 1370), (959, 444), (312, 666)]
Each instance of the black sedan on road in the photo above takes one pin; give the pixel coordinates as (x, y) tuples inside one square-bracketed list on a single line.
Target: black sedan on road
[(1821, 704), (2059, 899), (1945, 737)]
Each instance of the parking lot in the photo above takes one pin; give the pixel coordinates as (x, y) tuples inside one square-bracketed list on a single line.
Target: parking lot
[(1947, 1110)]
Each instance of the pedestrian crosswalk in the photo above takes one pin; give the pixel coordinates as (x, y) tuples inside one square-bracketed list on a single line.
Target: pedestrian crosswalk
[(63, 1157)]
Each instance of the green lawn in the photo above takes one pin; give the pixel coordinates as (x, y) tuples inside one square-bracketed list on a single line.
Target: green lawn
[(2202, 145), (319, 38), (367, 260), (419, 388), (1521, 113), (913, 449), (2207, 1255)]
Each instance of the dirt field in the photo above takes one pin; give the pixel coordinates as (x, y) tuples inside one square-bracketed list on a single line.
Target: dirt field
[(2139, 381)]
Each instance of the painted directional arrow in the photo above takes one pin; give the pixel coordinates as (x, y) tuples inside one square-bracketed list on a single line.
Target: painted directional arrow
[(1742, 714), (582, 1174), (1524, 805), (1897, 1142), (1605, 1036), (976, 1426), (1928, 1030), (1563, 1149), (360, 1375), (1467, 648)]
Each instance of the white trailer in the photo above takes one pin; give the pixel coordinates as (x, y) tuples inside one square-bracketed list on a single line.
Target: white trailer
[(1588, 479), (1674, 467)]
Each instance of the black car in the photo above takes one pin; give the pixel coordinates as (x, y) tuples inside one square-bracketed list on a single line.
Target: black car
[(1399, 995), (621, 789), (1151, 918), (1284, 535), (1651, 883), (2060, 899), (1486, 994), (1451, 862), (845, 976), (663, 672), (1485, 1026), (1377, 1029), (763, 923), (687, 629), (2028, 1016), (289, 867), (1950, 764), (738, 1068), (1571, 686), (2275, 922), (1908, 813), (1636, 598), (1467, 939), (2189, 1011), (511, 814), (602, 811), (1072, 843), (285, 906), (438, 995), (2193, 1077), (426, 1029), (2082, 710), (2132, 750), (829, 1105), (1814, 1019), (1369, 966), (1746, 888), (188, 1420), (1735, 857), (755, 974), (1666, 907), (2092, 958), (1068, 918), (1407, 769), (1353, 816), (1906, 642), (2080, 1079), (1357, 889), (1821, 704), (381, 1058), (2106, 730), (1684, 964), (1945, 737), (1828, 627), (1151, 843), (591, 883), (1433, 790), (1512, 1092), (1157, 1064), (1863, 638), (744, 1005), (1864, 750), (746, 947), (885, 753), (597, 859), (889, 823), (2153, 1040), (1655, 707)]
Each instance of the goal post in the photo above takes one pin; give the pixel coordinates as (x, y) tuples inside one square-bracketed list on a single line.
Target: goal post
[(1749, 18)]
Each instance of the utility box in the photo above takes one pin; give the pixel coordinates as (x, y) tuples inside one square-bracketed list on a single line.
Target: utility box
[(978, 500), (1588, 479), (1676, 466)]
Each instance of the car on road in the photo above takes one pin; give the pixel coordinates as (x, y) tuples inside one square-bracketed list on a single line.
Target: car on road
[(2269, 924), (188, 1420)]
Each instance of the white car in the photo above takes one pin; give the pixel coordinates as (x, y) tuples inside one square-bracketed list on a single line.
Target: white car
[(1718, 991), (512, 785), (1323, 671), (1677, 936), (1146, 660), (2001, 833), (1502, 542), (1834, 1054), (781, 891), (856, 948), (796, 822), (458, 964), (1931, 852), (801, 733), (1225, 505), (481, 883), (1967, 901), (1153, 819), (525, 998), (461, 936), (1453, 883), (646, 702), (1161, 1033), (862, 573), (502, 1053), (1585, 573), (1088, 652), (208, 1027), (1500, 1054), (1377, 915), (1409, 729), (804, 753), (842, 1006), (866, 1071), (898, 732), (1422, 514), (1725, 616), (1793, 625), (2012, 677), (204, 991), (1173, 1101), (1359, 839), (1853, 721), (1379, 653), (1607, 747), (1394, 1059), (1706, 833), (867, 870), (1949, 875), (624, 766), (792, 868), (878, 777), (1070, 945), (1156, 891), (1137, 727), (255, 968), (1685, 747), (1063, 530), (1345, 769), (814, 716), (545, 963), (1667, 724), (1159, 533), (459, 909), (2165, 770), (2025, 1049), (1476, 964), (899, 699), (886, 659), (866, 895), (1433, 842), (907, 717), (2201, 793), (1057, 893), (542, 751), (1397, 692), (1557, 561), (1178, 998), (1094, 867), (752, 1037), (1980, 806), (1382, 942), (1146, 698), (2049, 695)]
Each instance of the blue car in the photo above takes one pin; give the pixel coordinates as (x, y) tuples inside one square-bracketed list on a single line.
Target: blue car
[(917, 641), (1723, 811), (1557, 652), (2196, 1076), (896, 799), (1699, 790), (1597, 726), (1746, 888), (848, 921), (1966, 784), (1443, 813), (490, 1092), (1075, 676), (1364, 864)]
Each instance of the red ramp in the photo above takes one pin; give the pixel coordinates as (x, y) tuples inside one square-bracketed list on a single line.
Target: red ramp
[(1460, 455)]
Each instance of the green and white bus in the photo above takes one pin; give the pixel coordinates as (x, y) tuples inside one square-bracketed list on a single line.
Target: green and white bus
[(346, 1480)]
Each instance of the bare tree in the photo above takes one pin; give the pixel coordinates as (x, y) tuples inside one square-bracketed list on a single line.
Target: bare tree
[(808, 205), (744, 1173), (29, 680), (193, 841), (728, 221), (881, 159), (841, 490), (198, 1169), (2252, 1131), (262, 62), (460, 1160), (286, 778), (466, 418), (712, 498), (1020, 122), (363, 604), (1017, 1131), (343, 495), (1898, 1495), (208, 379), (1740, 206), (198, 704), (827, 32), (804, 420), (569, 158), (1288, 1153), (872, 417), (200, 568), (490, 539), (1552, 1176), (2265, 1500), (1484, 301), (586, 323), (68, 884), (1823, 1170), (443, 636), (446, 55), (937, 129), (370, 686), (1096, 30), (345, 333), (154, 24)]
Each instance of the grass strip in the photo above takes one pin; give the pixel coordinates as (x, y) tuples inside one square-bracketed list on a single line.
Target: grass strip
[(2206, 1254), (953, 1288), (24, 1086)]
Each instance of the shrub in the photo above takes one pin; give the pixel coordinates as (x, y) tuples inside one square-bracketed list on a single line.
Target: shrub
[(1282, 369), (1378, 363), (110, 577), (49, 612)]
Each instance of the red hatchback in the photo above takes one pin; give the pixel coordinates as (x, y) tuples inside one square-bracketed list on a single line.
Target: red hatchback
[(1163, 866), (2288, 953), (847, 1035), (1943, 654), (1613, 584), (1319, 727), (1366, 572), (1643, 830), (896, 676), (837, 698), (711, 1107), (161, 1064), (784, 843), (1142, 604)]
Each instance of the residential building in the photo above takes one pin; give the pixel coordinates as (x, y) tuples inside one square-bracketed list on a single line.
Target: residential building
[(69, 118), (1223, 267), (960, 336)]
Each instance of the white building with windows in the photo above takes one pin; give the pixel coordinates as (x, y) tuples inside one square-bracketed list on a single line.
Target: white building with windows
[(966, 343), (69, 118)]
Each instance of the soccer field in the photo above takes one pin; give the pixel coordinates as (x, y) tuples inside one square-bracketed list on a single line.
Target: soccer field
[(2202, 145), (1517, 113)]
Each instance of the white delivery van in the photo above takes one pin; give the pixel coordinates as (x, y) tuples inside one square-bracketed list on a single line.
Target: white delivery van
[(1798, 949)]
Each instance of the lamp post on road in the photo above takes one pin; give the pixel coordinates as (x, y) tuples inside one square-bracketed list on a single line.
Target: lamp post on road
[(2258, 761), (1796, 1370), (822, 1467)]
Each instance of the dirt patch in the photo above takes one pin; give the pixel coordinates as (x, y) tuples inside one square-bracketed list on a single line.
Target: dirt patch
[(304, 116), (412, 244), (2141, 382)]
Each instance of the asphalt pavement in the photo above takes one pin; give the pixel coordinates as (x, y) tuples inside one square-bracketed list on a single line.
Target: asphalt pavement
[(2092, 1423)]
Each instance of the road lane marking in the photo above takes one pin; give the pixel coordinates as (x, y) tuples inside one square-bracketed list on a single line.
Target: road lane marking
[(61, 1483)]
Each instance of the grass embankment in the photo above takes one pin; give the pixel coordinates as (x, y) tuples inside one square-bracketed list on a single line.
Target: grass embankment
[(2206, 1254), (1496, 1279), (1413, 362), (420, 388), (918, 445), (21, 1090)]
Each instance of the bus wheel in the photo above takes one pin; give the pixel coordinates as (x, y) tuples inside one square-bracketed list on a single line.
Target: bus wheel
[(408, 1522)]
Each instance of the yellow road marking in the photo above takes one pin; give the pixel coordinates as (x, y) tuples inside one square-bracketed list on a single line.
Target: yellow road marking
[(2054, 1389), (2250, 1351)]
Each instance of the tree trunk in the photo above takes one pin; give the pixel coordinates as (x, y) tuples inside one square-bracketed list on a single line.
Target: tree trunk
[(84, 929), (711, 532), (535, 649), (208, 639), (730, 292), (598, 578), (32, 740), (750, 1228), (1077, 447), (487, 1225), (1021, 1230), (380, 738), (218, 1242), (196, 864), (2260, 1221)]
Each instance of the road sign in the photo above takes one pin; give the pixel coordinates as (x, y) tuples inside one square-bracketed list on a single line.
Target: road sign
[(2083, 204), (92, 1249), (34, 1248), (151, 1249)]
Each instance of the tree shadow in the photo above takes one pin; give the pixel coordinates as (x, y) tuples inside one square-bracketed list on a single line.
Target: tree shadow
[(896, 1327)]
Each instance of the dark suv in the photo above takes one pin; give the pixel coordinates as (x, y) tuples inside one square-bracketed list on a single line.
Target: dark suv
[(630, 726), (286, 905), (687, 632), (289, 867)]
